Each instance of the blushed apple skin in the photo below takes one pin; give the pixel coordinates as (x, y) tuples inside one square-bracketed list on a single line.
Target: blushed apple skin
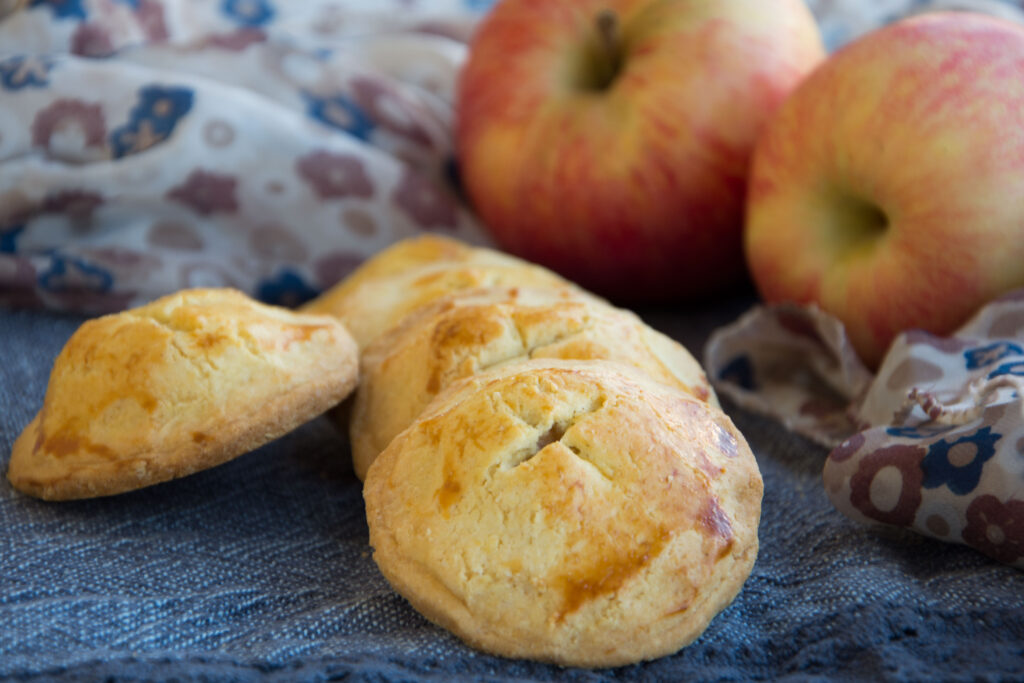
[(921, 123), (635, 191)]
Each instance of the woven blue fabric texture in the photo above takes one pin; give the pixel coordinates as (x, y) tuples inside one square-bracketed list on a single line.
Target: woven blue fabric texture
[(261, 569)]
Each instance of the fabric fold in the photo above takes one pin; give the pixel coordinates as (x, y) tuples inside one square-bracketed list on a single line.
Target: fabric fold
[(932, 442)]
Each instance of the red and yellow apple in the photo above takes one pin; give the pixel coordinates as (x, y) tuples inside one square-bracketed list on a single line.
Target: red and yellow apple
[(889, 188), (610, 140)]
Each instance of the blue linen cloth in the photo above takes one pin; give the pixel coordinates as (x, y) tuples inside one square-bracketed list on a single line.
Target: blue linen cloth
[(261, 569)]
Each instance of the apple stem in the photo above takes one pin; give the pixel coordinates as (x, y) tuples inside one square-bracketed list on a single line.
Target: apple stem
[(608, 31)]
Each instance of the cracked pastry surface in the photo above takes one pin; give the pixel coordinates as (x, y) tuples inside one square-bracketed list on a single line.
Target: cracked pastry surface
[(575, 512), (176, 386), (416, 272), (474, 330)]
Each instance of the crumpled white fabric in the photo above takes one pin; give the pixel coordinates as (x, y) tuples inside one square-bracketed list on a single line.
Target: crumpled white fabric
[(934, 441)]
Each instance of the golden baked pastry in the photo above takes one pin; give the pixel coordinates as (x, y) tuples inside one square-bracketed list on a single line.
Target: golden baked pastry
[(179, 385), (402, 256), (575, 512), (476, 329), (415, 272)]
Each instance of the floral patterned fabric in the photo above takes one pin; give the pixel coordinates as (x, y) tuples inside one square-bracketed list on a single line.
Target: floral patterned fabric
[(933, 442), (152, 145)]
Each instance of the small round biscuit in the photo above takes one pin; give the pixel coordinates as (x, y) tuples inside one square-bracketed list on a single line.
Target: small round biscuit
[(182, 384), (416, 272), (473, 330), (575, 512)]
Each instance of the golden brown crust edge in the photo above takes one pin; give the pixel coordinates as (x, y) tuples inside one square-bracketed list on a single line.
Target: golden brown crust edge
[(414, 273), (186, 383), (402, 256)]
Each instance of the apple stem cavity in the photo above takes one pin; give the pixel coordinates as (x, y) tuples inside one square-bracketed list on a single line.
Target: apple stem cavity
[(609, 60)]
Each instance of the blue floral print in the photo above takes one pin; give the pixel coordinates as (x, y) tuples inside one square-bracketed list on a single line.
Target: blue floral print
[(62, 9), (958, 464), (287, 289), (9, 237), (1013, 368), (248, 12), (153, 119), (71, 273), (740, 371), (341, 113), (920, 432), (983, 356), (24, 72)]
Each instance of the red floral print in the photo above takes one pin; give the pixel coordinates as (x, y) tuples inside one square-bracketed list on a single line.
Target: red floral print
[(907, 460), (207, 193), (996, 528), (335, 175)]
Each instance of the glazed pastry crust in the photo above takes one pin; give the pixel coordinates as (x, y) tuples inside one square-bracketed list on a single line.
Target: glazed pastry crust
[(180, 385), (400, 257), (414, 273), (474, 330), (575, 512)]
